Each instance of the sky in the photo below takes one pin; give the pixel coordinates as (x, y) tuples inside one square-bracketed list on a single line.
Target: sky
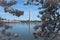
[(34, 12)]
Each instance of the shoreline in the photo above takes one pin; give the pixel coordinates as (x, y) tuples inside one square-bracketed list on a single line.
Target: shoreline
[(17, 21)]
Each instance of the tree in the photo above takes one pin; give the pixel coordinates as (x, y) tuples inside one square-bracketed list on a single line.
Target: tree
[(50, 19), (7, 8)]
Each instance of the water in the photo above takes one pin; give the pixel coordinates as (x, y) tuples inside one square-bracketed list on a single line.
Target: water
[(24, 30)]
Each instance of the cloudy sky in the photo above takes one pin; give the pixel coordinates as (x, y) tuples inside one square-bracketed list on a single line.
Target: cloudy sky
[(32, 8)]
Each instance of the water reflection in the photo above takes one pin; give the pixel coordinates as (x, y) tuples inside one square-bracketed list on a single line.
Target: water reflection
[(19, 31), (5, 34)]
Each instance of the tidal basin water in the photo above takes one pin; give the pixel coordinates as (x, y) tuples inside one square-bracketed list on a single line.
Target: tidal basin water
[(24, 30)]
